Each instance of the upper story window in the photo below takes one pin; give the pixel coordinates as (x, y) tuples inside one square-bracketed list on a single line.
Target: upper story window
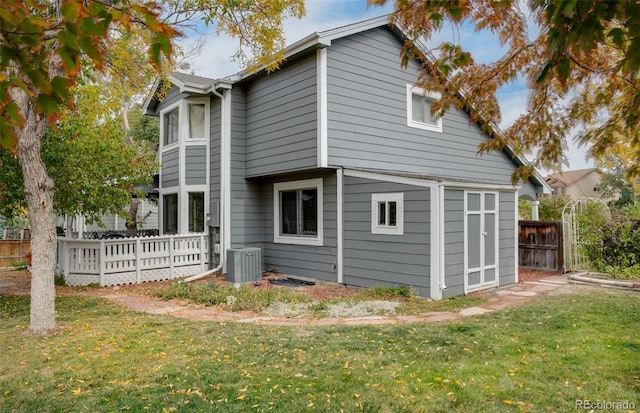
[(298, 212), (171, 127), (387, 213), (185, 120), (196, 120), (419, 102)]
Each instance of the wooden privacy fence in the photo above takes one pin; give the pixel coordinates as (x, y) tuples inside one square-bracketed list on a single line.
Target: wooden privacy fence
[(540, 245), (14, 250), (122, 261)]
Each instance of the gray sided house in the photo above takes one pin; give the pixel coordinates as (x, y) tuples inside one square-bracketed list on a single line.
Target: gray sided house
[(335, 168)]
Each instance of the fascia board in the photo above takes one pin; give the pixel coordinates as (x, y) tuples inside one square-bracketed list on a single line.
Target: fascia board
[(150, 95)]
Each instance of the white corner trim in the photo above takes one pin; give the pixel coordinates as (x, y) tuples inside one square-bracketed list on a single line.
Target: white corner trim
[(292, 185), (321, 64), (515, 237), (437, 285)]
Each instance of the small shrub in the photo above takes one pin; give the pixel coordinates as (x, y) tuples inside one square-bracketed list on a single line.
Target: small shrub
[(390, 292), (59, 280), (21, 265), (243, 299)]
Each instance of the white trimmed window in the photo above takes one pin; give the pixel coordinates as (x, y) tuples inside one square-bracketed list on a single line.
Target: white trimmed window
[(387, 213), (196, 211), (297, 207), (196, 120), (419, 102), (170, 214), (171, 126)]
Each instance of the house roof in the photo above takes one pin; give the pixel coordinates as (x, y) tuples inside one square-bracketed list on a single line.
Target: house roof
[(197, 84), (192, 79), (566, 178)]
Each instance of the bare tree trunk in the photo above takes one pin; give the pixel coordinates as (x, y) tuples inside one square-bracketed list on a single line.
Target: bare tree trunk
[(132, 221), (38, 188)]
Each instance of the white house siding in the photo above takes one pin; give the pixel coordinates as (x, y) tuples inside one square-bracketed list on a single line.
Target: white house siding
[(367, 117), (377, 259)]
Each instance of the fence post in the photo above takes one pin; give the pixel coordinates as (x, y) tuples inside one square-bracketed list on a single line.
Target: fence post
[(20, 248), (138, 259)]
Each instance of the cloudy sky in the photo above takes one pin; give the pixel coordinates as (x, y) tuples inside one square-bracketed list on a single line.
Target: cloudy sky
[(321, 15)]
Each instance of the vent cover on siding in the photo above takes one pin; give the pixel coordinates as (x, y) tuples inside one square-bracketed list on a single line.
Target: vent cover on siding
[(244, 265)]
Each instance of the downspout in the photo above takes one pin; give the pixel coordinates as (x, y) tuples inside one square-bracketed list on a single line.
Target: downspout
[(225, 134)]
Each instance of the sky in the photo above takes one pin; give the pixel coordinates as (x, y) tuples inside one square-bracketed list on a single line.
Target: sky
[(214, 61)]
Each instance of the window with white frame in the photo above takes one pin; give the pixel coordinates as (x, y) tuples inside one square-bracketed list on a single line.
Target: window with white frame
[(171, 129), (419, 102), (196, 212), (298, 212), (387, 213), (170, 214), (196, 120)]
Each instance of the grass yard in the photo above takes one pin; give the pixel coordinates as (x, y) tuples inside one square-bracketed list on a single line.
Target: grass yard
[(541, 356)]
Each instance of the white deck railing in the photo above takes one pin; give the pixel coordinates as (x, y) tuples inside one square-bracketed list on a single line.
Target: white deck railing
[(131, 260)]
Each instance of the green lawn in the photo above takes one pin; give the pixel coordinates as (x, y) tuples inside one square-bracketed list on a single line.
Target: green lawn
[(541, 356)]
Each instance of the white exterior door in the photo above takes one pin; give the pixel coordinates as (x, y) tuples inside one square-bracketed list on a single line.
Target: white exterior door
[(481, 240)]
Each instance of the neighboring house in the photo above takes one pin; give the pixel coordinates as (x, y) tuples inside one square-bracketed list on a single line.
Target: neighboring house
[(576, 184), (147, 217), (335, 168)]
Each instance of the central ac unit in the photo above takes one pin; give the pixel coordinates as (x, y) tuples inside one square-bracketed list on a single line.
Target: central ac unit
[(244, 265)]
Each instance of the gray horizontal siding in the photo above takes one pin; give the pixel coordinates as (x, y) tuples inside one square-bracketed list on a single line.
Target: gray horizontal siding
[(246, 203), (317, 262), (367, 117), (214, 151), (453, 242), (507, 243), (281, 119), (195, 165), (172, 96), (170, 168), (528, 190), (376, 259)]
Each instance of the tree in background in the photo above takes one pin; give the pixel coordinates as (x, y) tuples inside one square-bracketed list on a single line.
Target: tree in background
[(44, 47), (581, 67), (614, 178)]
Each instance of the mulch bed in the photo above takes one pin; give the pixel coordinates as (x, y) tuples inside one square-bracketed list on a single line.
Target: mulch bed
[(20, 280)]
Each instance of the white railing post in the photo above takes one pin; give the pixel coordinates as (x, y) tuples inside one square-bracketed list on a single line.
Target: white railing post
[(202, 251), (101, 262), (66, 257), (171, 273), (138, 255)]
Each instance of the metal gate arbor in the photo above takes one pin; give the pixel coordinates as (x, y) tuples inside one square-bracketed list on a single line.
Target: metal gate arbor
[(574, 230)]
